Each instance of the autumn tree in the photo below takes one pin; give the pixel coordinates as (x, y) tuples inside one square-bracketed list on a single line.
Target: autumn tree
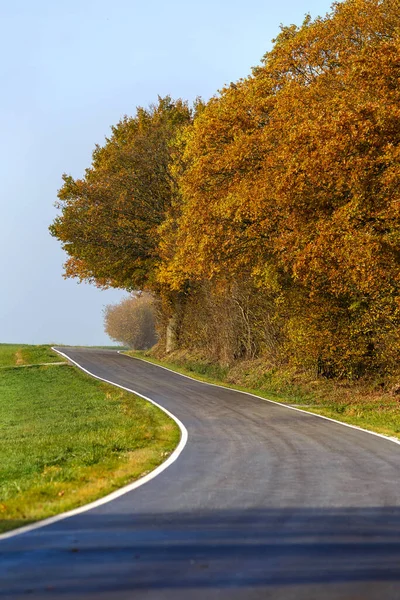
[(292, 175), (275, 209), (337, 111), (109, 218), (132, 321)]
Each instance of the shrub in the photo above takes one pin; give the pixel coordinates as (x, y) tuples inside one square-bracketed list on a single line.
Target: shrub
[(132, 321)]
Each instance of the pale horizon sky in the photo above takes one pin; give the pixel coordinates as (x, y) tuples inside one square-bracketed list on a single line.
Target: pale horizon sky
[(70, 70)]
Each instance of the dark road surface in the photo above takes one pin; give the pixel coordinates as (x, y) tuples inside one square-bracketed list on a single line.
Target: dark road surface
[(264, 502)]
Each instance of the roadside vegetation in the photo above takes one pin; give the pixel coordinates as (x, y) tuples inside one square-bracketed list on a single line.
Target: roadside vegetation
[(67, 439), (364, 403), (265, 222)]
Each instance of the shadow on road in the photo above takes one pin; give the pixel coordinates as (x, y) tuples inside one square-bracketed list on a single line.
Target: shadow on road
[(218, 549)]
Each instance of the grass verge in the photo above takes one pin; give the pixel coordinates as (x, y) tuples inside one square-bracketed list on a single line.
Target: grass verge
[(365, 404), (67, 439)]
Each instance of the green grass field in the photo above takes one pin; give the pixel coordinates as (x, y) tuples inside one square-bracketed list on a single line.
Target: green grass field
[(67, 439), (14, 355)]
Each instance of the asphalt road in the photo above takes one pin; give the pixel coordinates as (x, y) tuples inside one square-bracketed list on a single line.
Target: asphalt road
[(263, 503)]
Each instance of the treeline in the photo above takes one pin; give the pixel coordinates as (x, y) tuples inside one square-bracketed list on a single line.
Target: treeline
[(266, 221)]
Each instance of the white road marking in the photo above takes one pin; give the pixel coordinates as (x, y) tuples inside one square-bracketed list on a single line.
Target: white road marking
[(306, 412)]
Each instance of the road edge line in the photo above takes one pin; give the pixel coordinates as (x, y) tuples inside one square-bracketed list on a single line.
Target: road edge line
[(304, 412), (121, 491)]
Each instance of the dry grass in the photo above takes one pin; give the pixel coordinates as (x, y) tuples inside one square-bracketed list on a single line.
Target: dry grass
[(19, 358)]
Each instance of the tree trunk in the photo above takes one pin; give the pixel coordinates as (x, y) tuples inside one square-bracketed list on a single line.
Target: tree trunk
[(172, 334), (174, 323)]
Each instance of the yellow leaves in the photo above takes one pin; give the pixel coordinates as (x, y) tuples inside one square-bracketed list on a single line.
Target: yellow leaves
[(295, 171), (109, 219), (290, 176)]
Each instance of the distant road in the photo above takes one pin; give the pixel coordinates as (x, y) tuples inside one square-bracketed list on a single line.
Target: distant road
[(263, 503)]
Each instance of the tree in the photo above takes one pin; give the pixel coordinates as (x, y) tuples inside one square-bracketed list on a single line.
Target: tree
[(132, 321), (109, 219), (286, 184), (292, 175)]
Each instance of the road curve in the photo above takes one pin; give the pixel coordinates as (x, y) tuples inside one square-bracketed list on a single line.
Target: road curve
[(263, 503)]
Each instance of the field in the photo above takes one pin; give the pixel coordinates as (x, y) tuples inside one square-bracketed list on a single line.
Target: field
[(67, 439), (15, 355)]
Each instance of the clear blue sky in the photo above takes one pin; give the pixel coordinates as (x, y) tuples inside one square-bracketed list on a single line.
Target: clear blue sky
[(69, 70)]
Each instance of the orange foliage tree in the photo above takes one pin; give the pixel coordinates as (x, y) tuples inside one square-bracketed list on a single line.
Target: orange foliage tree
[(109, 218), (285, 186), (293, 175)]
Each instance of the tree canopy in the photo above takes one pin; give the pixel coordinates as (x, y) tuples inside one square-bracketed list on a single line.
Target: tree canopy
[(109, 219), (287, 182)]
